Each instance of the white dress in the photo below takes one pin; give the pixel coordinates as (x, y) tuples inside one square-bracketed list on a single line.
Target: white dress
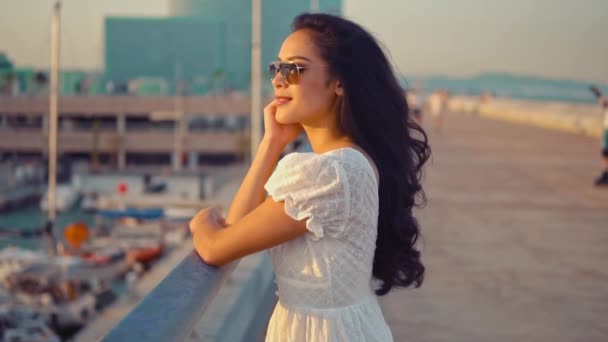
[(324, 278)]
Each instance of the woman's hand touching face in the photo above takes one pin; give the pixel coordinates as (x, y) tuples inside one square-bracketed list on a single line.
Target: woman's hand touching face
[(276, 132)]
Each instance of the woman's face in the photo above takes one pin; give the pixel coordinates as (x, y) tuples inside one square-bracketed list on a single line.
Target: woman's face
[(312, 99)]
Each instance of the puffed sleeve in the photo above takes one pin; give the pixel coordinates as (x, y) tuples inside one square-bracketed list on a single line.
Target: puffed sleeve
[(314, 187)]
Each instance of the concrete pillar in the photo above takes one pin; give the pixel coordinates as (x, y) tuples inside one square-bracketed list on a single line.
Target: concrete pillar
[(180, 131), (193, 160), (45, 133), (45, 124), (121, 130), (208, 187), (176, 162)]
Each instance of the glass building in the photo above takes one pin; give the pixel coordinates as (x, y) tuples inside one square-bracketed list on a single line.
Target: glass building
[(204, 42), (172, 49)]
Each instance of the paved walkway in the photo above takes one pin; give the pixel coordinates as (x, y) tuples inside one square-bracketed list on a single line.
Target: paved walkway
[(516, 239)]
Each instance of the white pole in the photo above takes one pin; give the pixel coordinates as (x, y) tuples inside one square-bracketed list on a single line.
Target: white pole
[(179, 121), (256, 76), (55, 29), (314, 5)]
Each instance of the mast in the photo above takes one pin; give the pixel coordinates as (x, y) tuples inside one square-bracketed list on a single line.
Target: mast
[(53, 100)]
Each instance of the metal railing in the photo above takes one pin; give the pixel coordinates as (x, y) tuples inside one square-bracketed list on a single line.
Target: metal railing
[(172, 309)]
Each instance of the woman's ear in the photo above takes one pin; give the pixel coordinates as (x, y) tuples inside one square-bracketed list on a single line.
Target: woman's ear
[(339, 90)]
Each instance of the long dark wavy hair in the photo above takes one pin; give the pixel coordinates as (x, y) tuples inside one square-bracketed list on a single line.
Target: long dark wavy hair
[(375, 115)]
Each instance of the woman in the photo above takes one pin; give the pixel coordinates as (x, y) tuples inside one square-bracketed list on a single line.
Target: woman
[(341, 215)]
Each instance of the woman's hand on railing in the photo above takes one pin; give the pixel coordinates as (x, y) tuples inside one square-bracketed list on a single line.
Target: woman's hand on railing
[(203, 227)]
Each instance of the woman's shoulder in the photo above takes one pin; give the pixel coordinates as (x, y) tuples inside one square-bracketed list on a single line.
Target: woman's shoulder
[(310, 168), (309, 173), (346, 158), (353, 158), (307, 160)]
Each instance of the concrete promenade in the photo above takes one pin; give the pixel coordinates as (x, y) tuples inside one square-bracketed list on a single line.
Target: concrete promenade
[(516, 238)]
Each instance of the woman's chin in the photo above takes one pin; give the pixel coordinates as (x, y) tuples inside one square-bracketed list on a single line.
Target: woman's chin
[(283, 117)]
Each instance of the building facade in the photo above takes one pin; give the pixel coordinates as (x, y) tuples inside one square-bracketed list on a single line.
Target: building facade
[(206, 43)]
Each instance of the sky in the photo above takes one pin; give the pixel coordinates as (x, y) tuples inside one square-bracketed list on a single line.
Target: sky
[(562, 39)]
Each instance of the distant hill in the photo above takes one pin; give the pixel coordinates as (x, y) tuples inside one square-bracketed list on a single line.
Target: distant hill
[(509, 85)]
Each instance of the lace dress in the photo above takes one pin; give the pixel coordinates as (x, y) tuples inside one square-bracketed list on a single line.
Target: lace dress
[(324, 278)]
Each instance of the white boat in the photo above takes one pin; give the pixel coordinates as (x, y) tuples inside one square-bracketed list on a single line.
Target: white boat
[(180, 213), (149, 201), (142, 242), (14, 259), (175, 232), (89, 201), (64, 291), (24, 325), (66, 197)]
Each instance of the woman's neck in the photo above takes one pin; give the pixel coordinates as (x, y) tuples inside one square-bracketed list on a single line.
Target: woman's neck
[(323, 140)]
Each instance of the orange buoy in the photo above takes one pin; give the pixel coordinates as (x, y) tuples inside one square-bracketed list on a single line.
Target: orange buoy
[(76, 233)]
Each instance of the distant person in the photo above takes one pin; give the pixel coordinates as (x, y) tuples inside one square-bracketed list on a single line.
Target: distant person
[(437, 103), (484, 98), (602, 180), (414, 103), (340, 216)]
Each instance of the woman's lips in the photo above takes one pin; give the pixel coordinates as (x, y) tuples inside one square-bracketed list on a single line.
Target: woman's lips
[(280, 100)]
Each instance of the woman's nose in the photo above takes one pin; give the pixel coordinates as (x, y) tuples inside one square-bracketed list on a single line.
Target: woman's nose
[(278, 81)]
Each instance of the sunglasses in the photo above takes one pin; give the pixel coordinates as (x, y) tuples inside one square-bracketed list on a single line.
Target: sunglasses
[(289, 71)]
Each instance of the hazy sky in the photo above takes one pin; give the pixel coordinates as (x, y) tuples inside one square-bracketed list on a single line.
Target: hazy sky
[(553, 38)]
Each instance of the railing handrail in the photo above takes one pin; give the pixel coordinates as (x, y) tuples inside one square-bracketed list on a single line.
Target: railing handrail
[(171, 310)]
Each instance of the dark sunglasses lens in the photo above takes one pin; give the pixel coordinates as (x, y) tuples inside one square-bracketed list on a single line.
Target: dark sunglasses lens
[(290, 73), (272, 70)]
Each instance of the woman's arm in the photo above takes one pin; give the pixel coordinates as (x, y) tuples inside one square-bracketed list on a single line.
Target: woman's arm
[(265, 226), (252, 223), (251, 192)]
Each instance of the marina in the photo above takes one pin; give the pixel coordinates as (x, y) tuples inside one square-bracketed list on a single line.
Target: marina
[(103, 247)]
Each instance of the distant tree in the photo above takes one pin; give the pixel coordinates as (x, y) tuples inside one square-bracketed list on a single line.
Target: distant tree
[(41, 80), (5, 63), (6, 84)]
